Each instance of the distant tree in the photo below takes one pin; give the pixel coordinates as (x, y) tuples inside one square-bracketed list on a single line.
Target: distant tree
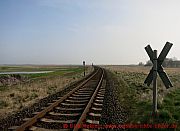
[(165, 62), (141, 64), (174, 59), (171, 62), (148, 63), (168, 62)]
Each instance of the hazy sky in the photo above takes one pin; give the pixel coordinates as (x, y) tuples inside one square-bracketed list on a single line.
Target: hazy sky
[(98, 31)]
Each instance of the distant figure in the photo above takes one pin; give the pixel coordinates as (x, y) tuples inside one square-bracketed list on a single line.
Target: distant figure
[(92, 64)]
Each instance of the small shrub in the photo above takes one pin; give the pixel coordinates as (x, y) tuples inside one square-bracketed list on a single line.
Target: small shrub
[(33, 95), (51, 89), (3, 88), (176, 115), (177, 103), (3, 104), (11, 95), (164, 115), (17, 99), (167, 101)]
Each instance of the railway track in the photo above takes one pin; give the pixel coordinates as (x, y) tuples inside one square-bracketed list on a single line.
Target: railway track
[(80, 107)]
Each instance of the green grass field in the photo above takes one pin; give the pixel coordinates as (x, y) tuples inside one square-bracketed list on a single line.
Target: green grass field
[(34, 68), (57, 70), (137, 97)]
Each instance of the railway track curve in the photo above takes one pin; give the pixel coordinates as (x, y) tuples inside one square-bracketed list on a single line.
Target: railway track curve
[(81, 106)]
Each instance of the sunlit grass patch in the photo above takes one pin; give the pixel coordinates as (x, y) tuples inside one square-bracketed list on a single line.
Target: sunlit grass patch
[(141, 95)]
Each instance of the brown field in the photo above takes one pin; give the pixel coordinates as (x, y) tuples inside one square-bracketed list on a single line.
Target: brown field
[(15, 97), (139, 69), (173, 73)]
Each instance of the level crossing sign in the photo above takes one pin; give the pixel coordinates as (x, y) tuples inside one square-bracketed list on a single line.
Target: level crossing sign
[(160, 69), (157, 68)]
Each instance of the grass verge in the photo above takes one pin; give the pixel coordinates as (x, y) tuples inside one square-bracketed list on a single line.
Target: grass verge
[(137, 99)]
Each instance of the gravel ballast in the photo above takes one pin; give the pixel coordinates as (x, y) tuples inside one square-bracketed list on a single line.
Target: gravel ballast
[(112, 113)]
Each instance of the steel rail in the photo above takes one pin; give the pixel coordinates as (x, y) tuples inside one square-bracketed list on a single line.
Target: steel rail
[(86, 110), (34, 119)]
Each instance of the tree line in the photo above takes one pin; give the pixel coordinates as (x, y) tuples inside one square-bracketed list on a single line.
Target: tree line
[(168, 62)]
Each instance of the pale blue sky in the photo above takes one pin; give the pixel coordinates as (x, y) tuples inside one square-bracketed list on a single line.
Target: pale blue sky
[(98, 31)]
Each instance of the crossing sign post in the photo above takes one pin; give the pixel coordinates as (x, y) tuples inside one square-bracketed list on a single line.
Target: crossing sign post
[(157, 68)]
